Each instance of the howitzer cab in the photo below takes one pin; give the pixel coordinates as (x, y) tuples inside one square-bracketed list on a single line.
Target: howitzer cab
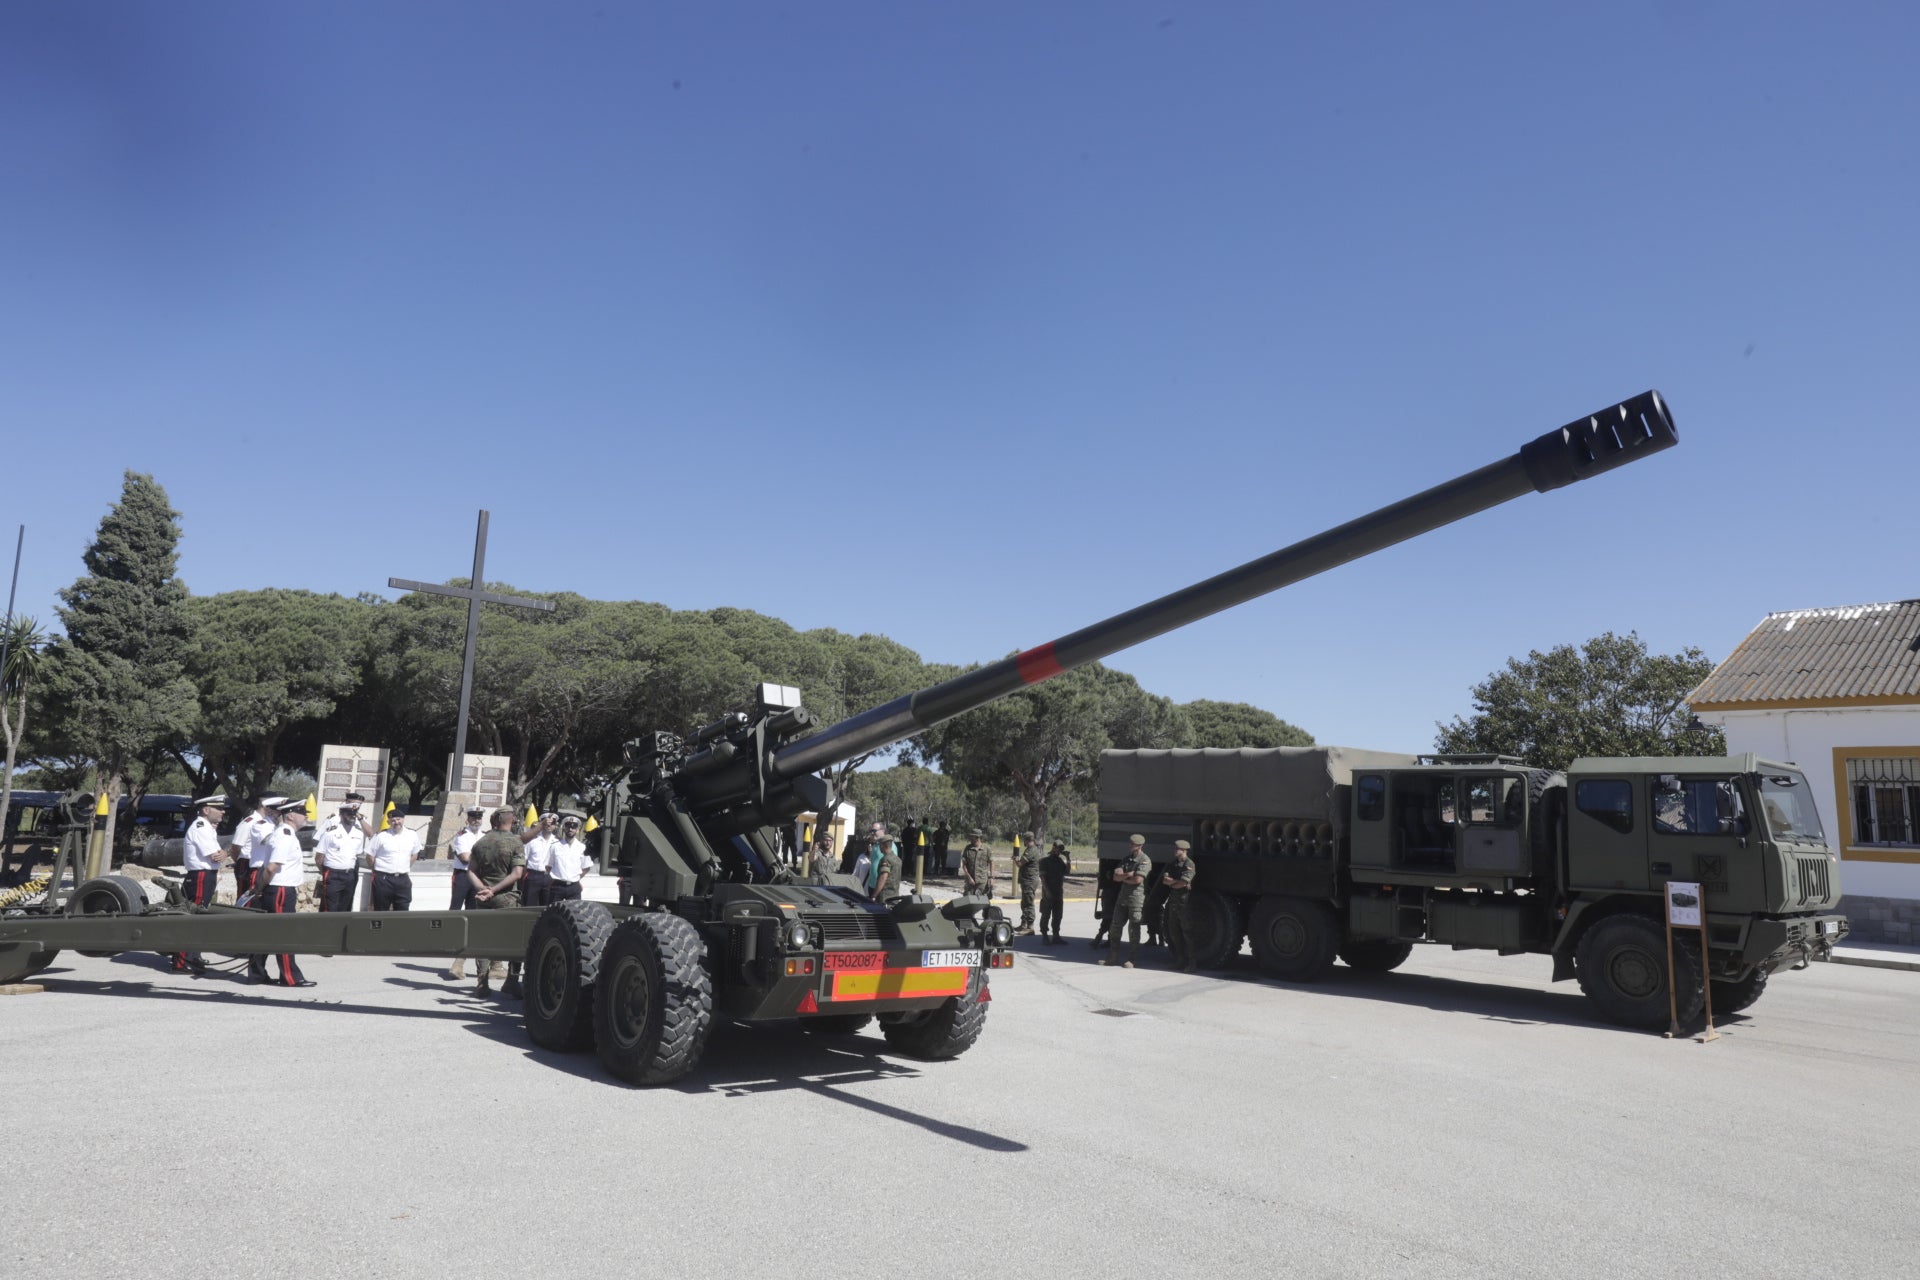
[(1320, 852)]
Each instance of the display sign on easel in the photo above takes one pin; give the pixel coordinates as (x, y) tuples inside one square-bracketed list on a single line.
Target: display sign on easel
[(1687, 909)]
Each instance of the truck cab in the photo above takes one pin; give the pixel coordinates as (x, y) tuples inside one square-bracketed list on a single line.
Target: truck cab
[(1744, 828)]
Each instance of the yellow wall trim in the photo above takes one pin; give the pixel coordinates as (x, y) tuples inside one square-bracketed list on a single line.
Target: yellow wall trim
[(1843, 803), (1811, 704)]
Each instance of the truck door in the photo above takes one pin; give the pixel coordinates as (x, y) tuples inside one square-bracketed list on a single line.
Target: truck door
[(1700, 831), (1606, 841), (1490, 843)]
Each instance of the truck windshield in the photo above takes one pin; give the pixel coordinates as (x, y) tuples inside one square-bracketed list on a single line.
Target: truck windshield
[(1788, 803)]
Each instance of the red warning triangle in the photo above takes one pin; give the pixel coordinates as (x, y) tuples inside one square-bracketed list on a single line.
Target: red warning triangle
[(986, 994), (808, 1004)]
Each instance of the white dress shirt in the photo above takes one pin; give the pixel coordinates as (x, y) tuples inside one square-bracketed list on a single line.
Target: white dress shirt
[(394, 850)]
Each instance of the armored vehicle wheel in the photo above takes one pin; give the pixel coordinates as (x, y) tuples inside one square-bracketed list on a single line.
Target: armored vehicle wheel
[(563, 961), (653, 1000), (1375, 955), (1213, 927), (837, 1024), (1732, 997), (42, 960), (107, 896), (1622, 966), (945, 1032), (1294, 938)]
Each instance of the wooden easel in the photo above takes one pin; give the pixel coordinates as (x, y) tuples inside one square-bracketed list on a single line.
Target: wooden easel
[(1698, 911)]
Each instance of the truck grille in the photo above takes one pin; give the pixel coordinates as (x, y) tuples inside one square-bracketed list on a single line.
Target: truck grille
[(1815, 881), (856, 926)]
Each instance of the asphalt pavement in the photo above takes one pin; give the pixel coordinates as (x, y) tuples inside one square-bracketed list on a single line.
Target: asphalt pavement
[(1462, 1117)]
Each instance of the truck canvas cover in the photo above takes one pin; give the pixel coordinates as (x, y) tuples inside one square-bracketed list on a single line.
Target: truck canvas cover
[(1239, 782)]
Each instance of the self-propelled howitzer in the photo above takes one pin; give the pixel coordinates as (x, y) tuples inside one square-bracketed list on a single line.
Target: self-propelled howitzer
[(719, 927)]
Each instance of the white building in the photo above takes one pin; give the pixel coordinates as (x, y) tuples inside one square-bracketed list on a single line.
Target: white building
[(1837, 692)]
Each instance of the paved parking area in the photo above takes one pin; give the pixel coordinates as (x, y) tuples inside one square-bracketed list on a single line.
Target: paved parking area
[(1462, 1117)]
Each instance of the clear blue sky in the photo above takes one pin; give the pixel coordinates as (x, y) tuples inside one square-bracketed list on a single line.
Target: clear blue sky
[(972, 323)]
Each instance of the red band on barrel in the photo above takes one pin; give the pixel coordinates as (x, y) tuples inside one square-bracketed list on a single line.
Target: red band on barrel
[(1038, 664)]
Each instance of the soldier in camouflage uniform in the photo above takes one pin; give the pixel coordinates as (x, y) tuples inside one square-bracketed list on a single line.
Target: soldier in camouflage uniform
[(1178, 885), (497, 865), (886, 876), (1131, 902), (976, 866), (1026, 865), (823, 863)]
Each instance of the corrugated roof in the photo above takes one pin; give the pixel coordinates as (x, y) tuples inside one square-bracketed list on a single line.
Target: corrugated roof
[(1858, 651)]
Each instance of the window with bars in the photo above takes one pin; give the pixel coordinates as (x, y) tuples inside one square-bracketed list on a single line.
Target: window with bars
[(1886, 800)]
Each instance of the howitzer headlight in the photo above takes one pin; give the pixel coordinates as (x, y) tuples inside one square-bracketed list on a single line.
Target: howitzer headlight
[(1000, 933), (798, 936)]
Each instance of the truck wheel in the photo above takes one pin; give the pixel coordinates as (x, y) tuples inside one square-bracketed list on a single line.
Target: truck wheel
[(1622, 966), (837, 1024), (1732, 997), (1213, 927), (563, 961), (653, 999), (945, 1032), (1293, 938), (1375, 955), (107, 896)]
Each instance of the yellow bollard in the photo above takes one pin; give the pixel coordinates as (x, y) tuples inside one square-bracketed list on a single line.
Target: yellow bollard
[(97, 857)]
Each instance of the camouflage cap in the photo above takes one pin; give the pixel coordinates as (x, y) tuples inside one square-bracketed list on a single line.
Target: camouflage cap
[(978, 834), (1181, 844), (1136, 839)]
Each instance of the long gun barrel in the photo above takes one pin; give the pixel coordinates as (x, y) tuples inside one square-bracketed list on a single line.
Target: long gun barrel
[(1600, 442)]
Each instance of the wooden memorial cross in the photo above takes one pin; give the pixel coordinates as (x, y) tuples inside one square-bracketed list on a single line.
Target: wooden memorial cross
[(473, 593)]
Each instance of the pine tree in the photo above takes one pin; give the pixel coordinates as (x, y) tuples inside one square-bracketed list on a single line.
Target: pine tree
[(116, 687)]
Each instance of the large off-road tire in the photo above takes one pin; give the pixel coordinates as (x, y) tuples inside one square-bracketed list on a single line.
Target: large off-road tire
[(1546, 797), (1732, 997), (1293, 938), (652, 999), (837, 1024), (1622, 966), (1375, 955), (563, 963), (942, 1033), (1213, 928), (107, 896)]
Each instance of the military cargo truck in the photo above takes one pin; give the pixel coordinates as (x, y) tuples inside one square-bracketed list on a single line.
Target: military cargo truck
[(1313, 853)]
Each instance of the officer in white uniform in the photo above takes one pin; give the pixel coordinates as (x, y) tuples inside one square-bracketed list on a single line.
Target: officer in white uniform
[(393, 853), (342, 840), (537, 838), (462, 882), (250, 831), (283, 870), (248, 842), (201, 857), (566, 861)]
